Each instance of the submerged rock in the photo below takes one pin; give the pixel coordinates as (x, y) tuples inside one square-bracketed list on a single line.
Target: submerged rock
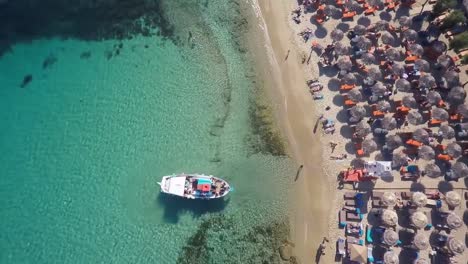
[(26, 80), (85, 55), (49, 61), (286, 252)]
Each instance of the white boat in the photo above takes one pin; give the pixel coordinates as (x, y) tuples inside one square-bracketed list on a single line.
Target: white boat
[(194, 186)]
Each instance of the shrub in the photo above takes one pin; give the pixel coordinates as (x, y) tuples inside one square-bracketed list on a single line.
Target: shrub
[(456, 17), (464, 60), (443, 5), (459, 42)]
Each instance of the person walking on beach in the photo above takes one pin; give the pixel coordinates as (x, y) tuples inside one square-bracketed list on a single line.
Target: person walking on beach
[(299, 172), (287, 55)]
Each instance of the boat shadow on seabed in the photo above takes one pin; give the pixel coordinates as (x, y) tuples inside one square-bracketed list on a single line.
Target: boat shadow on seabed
[(174, 206)]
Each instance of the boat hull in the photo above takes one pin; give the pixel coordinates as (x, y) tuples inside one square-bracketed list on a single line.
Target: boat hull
[(194, 186)]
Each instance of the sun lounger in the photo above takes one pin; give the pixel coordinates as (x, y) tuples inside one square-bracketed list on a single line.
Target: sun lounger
[(350, 203), (349, 195), (434, 122), (391, 6), (431, 203), (406, 195), (377, 195), (432, 194), (414, 143), (349, 15), (455, 118), (339, 2), (376, 204), (341, 246), (347, 87), (378, 114), (353, 240), (351, 216), (411, 59), (444, 157), (342, 218), (369, 11)]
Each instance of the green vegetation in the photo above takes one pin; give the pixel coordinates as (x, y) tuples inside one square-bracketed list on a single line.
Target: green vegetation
[(443, 5), (456, 17), (464, 60), (459, 42)]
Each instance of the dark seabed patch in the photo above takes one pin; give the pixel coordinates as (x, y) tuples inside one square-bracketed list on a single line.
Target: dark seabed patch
[(49, 61), (26, 80), (85, 55)]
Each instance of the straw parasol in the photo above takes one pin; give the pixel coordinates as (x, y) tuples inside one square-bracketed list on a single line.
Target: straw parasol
[(433, 97), (454, 221), (389, 217), (454, 150), (375, 2), (359, 29), (355, 95), (389, 199), (420, 241), (331, 10), (426, 153), (432, 170), (393, 54), (438, 46), (393, 141), (379, 89), (399, 159), (421, 261), (352, 5), (390, 237), (349, 78), (414, 118), (358, 111), (418, 219), (383, 106), (422, 65), (390, 257), (389, 123), (374, 73), (456, 95), (421, 135), (440, 114), (419, 199), (388, 38), (409, 101), (398, 69), (416, 49), (363, 43), (403, 85), (405, 21), (381, 25), (445, 60), (362, 129), (358, 253), (368, 58), (369, 145), (358, 163), (427, 80), (344, 63), (455, 246), (460, 169), (410, 35), (337, 34), (453, 198), (463, 110), (452, 77), (342, 49), (365, 21), (447, 132)]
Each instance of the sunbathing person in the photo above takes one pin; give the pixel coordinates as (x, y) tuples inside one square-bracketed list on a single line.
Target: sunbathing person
[(339, 157)]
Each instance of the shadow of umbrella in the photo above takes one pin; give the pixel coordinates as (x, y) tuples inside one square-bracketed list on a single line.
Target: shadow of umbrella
[(417, 187), (385, 16), (444, 187), (321, 32), (174, 206), (343, 27)]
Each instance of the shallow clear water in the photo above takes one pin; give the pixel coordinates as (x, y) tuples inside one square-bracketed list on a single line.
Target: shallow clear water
[(86, 141)]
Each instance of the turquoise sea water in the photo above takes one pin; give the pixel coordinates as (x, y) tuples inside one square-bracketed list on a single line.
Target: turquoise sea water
[(85, 142)]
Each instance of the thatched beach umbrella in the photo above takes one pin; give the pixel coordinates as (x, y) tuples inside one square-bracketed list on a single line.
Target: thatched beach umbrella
[(409, 101), (420, 241), (362, 129), (381, 25), (393, 54), (421, 135), (363, 43), (454, 150), (389, 123), (389, 217), (446, 131), (358, 163), (349, 78), (337, 34), (455, 246), (344, 63), (369, 145), (460, 169), (463, 110), (388, 38), (390, 237), (368, 58), (393, 141), (365, 21), (433, 97), (410, 35), (399, 69), (416, 49), (422, 65), (379, 89), (419, 219), (438, 46), (390, 257), (342, 49), (330, 10), (355, 95), (389, 199), (359, 30), (414, 118), (399, 159), (453, 198), (375, 2), (426, 153), (439, 114), (352, 5), (432, 170), (383, 106), (358, 111), (405, 21), (427, 81), (454, 221), (374, 73), (445, 60), (452, 77), (456, 95), (403, 85), (419, 199)]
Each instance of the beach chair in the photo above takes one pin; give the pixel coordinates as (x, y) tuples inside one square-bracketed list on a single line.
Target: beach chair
[(444, 157), (414, 143), (411, 151), (347, 87), (411, 59), (434, 123), (378, 114), (406, 195), (376, 195), (349, 15), (342, 219), (349, 195), (350, 203), (359, 150), (352, 216), (455, 118), (340, 2), (354, 240), (369, 11)]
